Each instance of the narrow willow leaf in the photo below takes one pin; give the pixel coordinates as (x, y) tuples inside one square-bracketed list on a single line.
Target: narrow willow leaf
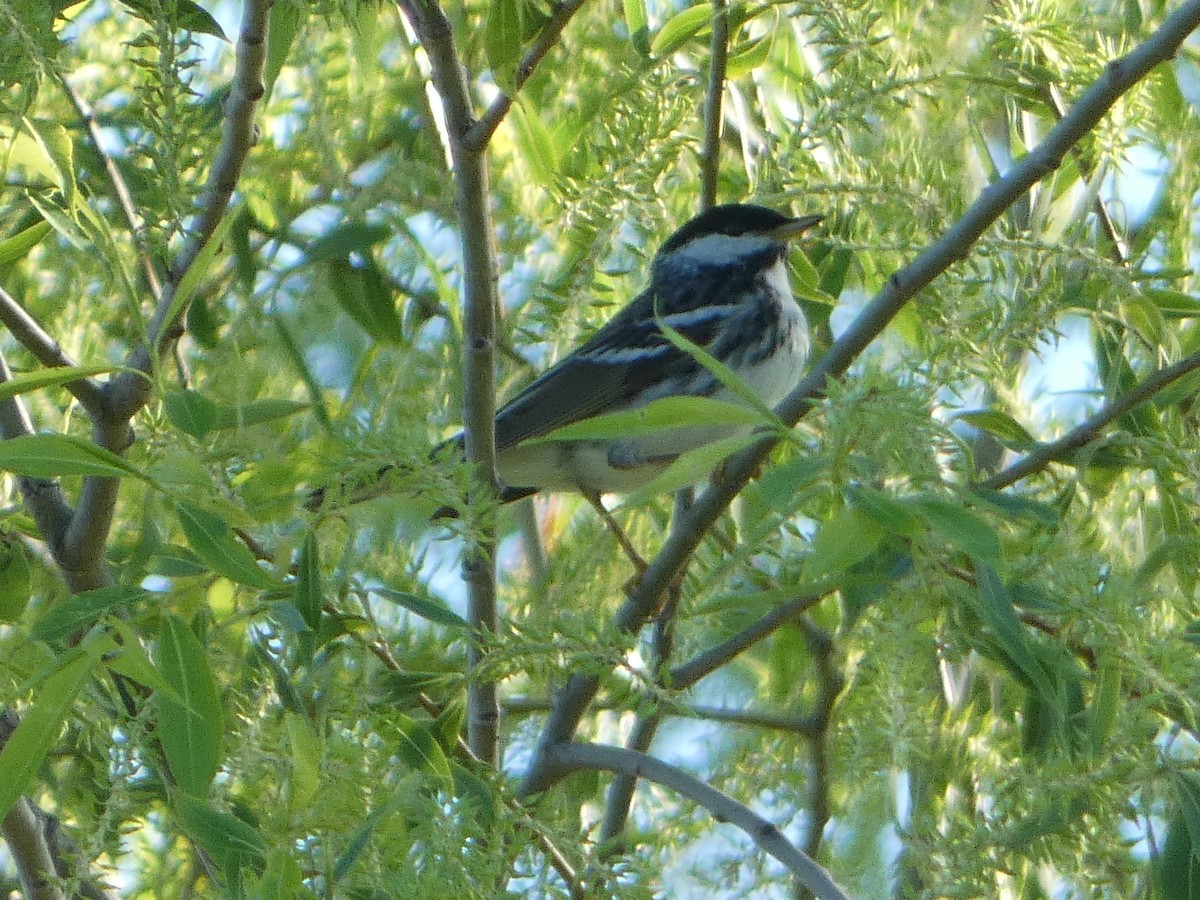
[(638, 25), (222, 834), (960, 527), (1001, 425), (678, 29), (48, 455), (848, 538), (44, 378), (352, 237), (502, 41), (425, 607), (214, 542), (191, 732), (39, 729), (305, 778), (365, 295), (689, 468), (281, 33), (202, 265), (309, 597), (256, 412), (19, 245), (189, 16), (656, 416), (82, 610), (191, 412), (421, 752)]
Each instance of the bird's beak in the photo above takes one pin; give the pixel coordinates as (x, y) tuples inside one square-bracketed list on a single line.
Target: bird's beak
[(796, 226)]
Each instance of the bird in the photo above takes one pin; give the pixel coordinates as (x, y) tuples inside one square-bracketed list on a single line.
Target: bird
[(721, 281)]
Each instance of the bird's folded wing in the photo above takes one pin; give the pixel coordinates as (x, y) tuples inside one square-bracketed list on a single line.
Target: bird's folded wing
[(624, 364)]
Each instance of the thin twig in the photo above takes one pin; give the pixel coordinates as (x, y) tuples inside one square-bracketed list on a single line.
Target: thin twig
[(30, 335), (1084, 434), (803, 725), (565, 758), (119, 188), (476, 138), (829, 686), (710, 153), (1119, 77), (710, 660)]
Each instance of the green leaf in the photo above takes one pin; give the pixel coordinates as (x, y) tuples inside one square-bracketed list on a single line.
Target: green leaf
[(1177, 867), (309, 596), (44, 378), (1000, 424), (18, 246), (364, 294), (256, 412), (502, 41), (689, 468), (48, 455), (214, 542), (174, 561), (889, 512), (959, 527), (728, 378), (994, 606), (536, 143), (654, 417), (748, 56), (477, 792), (132, 662), (305, 778), (281, 33), (201, 267), (66, 227), (191, 412), (1172, 304), (848, 538), (39, 729), (54, 141), (227, 838), (352, 237), (191, 731), (189, 16), (421, 752), (638, 24), (678, 29), (283, 879), (425, 607), (82, 610)]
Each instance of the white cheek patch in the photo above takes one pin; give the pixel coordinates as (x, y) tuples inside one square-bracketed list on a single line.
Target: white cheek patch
[(718, 249)]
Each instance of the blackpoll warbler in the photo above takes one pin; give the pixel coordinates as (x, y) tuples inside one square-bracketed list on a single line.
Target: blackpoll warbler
[(721, 281)]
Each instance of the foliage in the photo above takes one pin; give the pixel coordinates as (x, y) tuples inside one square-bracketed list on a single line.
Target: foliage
[(989, 691)]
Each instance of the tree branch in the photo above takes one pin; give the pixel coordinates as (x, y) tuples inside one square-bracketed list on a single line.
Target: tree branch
[(571, 757), (30, 335), (479, 359), (1091, 429), (476, 137), (686, 675), (710, 154), (1119, 76)]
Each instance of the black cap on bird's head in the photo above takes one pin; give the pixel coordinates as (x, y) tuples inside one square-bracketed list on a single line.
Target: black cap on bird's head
[(736, 220)]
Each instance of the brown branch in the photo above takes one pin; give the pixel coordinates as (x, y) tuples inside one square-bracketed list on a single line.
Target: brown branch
[(566, 758), (30, 335), (1119, 77), (710, 154), (476, 138), (1082, 435)]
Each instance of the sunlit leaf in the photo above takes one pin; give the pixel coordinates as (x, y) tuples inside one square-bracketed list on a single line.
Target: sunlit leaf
[(191, 729)]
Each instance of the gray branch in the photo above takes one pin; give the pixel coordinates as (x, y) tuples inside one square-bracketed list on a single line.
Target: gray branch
[(1077, 438), (30, 335), (571, 757), (479, 357)]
